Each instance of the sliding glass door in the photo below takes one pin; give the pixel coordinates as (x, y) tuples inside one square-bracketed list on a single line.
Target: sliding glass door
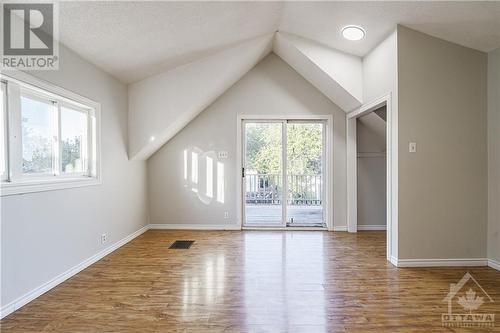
[(304, 170), (263, 173), (283, 173)]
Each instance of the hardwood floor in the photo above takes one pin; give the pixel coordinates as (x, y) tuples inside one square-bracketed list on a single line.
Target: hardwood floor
[(252, 281)]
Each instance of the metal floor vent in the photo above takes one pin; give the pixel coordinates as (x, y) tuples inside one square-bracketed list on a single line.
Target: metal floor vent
[(181, 244)]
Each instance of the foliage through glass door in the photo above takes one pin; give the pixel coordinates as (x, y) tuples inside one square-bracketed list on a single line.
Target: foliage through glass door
[(303, 145)]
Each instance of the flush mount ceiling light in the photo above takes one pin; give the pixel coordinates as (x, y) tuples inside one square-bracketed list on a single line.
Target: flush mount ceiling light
[(353, 32)]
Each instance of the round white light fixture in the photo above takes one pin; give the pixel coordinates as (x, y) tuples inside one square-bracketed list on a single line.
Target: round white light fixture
[(152, 138), (353, 32)]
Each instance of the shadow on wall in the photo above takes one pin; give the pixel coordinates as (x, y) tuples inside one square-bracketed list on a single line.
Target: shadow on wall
[(204, 175)]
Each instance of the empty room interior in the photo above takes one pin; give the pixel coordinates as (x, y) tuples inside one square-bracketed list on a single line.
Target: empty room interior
[(250, 166)]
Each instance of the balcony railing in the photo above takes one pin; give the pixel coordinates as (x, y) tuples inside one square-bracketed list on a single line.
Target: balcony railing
[(303, 189)]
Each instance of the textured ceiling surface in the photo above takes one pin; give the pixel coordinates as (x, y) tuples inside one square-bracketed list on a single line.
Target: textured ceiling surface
[(134, 40), (472, 24)]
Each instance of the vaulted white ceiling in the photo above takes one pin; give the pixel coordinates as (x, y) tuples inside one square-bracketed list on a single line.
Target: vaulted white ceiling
[(134, 40), (473, 24), (337, 75), (178, 57), (161, 105)]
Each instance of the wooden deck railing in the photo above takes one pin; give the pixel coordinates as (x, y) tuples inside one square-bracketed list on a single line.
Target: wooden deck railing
[(303, 189)]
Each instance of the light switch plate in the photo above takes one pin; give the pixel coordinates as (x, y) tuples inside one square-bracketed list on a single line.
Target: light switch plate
[(412, 147)]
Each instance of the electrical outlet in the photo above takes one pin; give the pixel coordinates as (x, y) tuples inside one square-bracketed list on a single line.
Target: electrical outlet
[(223, 154), (226, 215), (104, 238)]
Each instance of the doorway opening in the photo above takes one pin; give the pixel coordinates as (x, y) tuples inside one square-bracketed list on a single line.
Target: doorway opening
[(284, 168), (391, 170), (371, 144)]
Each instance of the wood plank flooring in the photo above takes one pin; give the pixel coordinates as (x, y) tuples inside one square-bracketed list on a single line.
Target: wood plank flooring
[(252, 281)]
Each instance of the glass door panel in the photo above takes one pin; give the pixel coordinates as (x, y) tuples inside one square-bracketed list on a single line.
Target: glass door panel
[(263, 173), (304, 172)]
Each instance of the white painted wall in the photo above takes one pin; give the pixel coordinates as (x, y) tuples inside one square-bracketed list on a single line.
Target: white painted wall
[(162, 105), (380, 78), (442, 187), (44, 234), (272, 87), (371, 170), (494, 155), (380, 70)]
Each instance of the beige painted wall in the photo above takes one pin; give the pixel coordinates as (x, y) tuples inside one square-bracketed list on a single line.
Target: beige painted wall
[(371, 169), (494, 155), (442, 187), (272, 87)]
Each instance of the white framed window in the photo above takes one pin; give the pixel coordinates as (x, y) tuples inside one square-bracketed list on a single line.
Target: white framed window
[(50, 137)]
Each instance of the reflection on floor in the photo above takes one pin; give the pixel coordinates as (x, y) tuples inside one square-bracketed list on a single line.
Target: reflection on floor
[(250, 281)]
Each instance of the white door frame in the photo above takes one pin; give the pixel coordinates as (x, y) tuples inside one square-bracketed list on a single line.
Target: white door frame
[(392, 170), (328, 169)]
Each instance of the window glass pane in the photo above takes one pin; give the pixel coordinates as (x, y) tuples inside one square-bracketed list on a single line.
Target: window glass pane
[(73, 140), (3, 128), (37, 135)]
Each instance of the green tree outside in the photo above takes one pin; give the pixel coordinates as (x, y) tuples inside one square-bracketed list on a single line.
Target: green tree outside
[(304, 148), (41, 154), (71, 155)]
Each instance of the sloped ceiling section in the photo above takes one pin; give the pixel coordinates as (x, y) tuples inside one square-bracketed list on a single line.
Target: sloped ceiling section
[(134, 40), (376, 125), (160, 106), (337, 75)]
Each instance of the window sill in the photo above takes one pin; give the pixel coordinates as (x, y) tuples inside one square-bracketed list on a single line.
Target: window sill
[(23, 187)]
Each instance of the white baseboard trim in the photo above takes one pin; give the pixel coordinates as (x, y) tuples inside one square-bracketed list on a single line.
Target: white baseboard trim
[(360, 227), (371, 227), (31, 295), (441, 262), (192, 226), (394, 261), (494, 264)]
